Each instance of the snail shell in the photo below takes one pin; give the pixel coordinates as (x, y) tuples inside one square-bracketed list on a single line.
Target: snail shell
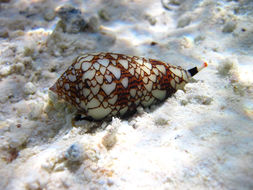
[(103, 85)]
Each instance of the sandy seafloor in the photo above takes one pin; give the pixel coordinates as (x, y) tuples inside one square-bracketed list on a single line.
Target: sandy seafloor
[(200, 138)]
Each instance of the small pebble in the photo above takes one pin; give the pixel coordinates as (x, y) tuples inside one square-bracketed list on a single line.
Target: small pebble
[(204, 100), (29, 88), (140, 110), (229, 27), (74, 153), (49, 14), (109, 140), (199, 39), (153, 43), (103, 14), (184, 21), (152, 21), (161, 121), (183, 102), (71, 19), (67, 11), (93, 24)]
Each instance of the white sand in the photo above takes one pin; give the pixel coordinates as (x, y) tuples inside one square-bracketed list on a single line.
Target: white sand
[(198, 139)]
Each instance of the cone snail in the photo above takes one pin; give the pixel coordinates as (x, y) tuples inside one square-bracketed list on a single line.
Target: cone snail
[(102, 85)]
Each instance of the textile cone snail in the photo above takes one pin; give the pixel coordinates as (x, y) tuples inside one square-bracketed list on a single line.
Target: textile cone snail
[(102, 85)]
